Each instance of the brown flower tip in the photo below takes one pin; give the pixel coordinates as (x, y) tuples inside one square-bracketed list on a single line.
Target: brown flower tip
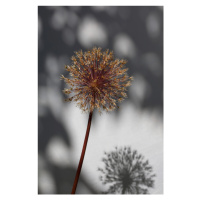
[(97, 80)]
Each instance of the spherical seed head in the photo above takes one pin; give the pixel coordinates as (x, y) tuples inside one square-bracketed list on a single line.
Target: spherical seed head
[(97, 80)]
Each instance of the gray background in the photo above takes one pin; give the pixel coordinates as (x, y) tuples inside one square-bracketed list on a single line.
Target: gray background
[(134, 33)]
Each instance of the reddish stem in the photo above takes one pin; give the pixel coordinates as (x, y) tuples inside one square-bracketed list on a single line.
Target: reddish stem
[(82, 154)]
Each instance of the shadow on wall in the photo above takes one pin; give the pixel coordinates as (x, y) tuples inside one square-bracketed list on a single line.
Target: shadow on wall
[(55, 177), (126, 172)]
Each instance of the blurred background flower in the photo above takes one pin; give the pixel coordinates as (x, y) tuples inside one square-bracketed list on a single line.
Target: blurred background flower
[(126, 172), (134, 33)]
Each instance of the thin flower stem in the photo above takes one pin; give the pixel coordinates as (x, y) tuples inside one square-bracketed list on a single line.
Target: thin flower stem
[(82, 154)]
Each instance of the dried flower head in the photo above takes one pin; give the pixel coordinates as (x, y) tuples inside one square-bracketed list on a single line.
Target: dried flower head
[(97, 80), (126, 172)]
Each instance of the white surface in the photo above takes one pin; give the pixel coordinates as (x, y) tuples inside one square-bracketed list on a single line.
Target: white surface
[(141, 130)]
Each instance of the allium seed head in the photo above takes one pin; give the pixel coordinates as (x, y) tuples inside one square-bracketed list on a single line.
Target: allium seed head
[(97, 80)]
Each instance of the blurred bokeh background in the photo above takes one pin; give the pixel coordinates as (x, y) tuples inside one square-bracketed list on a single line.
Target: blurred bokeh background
[(132, 32)]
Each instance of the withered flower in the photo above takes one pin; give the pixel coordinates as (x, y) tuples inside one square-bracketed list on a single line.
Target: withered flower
[(97, 80), (126, 172)]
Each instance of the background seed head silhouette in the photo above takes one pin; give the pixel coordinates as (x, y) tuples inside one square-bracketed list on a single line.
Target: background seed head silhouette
[(97, 80), (126, 172)]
